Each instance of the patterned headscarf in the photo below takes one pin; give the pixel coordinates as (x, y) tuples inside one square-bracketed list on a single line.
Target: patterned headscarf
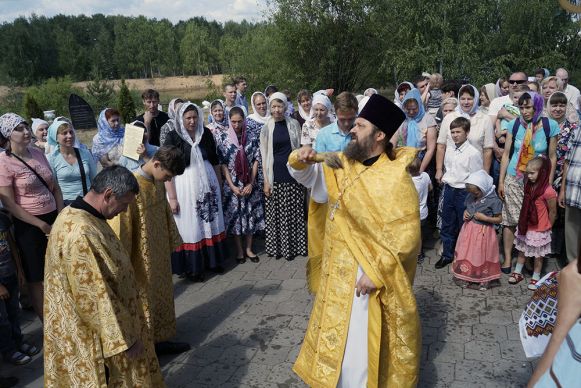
[(107, 138), (8, 122)]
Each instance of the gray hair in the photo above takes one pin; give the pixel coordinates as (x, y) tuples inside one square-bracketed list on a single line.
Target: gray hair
[(117, 178)]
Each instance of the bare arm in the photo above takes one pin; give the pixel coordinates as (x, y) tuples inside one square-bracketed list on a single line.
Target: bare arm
[(495, 219), (58, 196), (7, 198), (563, 189), (487, 155), (504, 165), (440, 153), (553, 157), (170, 187), (552, 205), (430, 148)]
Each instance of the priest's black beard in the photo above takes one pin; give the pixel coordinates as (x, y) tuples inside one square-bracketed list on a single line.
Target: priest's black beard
[(360, 149)]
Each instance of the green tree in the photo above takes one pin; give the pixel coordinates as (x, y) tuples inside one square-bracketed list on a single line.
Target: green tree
[(31, 109), (125, 103), (100, 93), (53, 94)]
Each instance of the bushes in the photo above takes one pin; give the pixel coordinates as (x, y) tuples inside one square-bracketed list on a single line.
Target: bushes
[(53, 94)]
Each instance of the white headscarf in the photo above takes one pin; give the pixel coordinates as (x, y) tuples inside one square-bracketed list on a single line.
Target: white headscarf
[(476, 105), (483, 181), (362, 103), (255, 116), (36, 123), (278, 96), (326, 102), (201, 184), (369, 91)]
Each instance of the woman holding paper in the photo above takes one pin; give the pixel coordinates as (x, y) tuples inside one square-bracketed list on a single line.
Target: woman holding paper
[(108, 142), (70, 164)]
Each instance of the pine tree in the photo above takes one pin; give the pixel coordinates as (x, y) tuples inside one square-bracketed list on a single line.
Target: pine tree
[(101, 93), (125, 103), (31, 108)]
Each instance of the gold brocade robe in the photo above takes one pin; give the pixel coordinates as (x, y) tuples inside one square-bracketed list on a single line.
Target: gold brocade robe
[(377, 227), (92, 313), (149, 233)]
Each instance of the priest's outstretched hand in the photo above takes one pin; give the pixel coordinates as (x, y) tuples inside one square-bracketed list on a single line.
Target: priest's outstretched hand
[(306, 154)]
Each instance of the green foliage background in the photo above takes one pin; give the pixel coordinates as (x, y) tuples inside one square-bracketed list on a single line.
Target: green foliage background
[(341, 44)]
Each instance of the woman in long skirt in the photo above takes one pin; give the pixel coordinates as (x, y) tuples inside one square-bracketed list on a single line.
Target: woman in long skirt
[(286, 227)]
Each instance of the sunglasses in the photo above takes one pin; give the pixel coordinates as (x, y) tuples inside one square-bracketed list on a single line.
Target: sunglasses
[(517, 81)]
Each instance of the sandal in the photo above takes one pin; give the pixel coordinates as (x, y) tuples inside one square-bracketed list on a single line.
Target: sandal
[(532, 284), (28, 349), (484, 286), (515, 278)]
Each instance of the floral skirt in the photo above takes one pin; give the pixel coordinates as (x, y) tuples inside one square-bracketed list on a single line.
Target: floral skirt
[(533, 244), (476, 258)]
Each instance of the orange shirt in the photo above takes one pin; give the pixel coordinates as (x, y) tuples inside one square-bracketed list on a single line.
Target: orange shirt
[(542, 205)]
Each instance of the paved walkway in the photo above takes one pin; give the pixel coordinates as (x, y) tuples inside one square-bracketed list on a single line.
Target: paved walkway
[(246, 326)]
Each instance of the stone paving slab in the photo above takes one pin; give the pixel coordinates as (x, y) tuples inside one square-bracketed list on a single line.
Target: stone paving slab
[(246, 326)]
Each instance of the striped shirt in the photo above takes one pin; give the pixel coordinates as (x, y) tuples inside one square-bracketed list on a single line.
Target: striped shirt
[(573, 181)]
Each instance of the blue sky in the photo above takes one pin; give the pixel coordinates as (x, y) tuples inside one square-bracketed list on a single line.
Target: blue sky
[(174, 10)]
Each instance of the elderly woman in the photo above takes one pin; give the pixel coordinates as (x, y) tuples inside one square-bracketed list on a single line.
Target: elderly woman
[(529, 136), (286, 231), (170, 125), (39, 130), (195, 198), (260, 114), (30, 193), (73, 167), (108, 142), (481, 134), (556, 109), (239, 156), (418, 130), (218, 122), (321, 115), (304, 100)]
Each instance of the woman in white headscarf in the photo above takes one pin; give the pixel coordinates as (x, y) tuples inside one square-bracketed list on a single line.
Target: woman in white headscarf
[(40, 131), (321, 115), (170, 125), (260, 114), (195, 198), (286, 227)]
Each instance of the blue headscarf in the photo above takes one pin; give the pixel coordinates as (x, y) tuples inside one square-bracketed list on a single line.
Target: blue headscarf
[(107, 138), (413, 130), (51, 138)]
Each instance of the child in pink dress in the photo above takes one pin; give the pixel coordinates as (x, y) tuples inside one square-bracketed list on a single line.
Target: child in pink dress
[(476, 258), (538, 213)]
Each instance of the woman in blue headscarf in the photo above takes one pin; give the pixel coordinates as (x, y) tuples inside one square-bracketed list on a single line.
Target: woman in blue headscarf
[(418, 130), (108, 142), (69, 162)]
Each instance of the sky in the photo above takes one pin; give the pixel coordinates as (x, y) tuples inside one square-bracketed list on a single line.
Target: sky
[(174, 10)]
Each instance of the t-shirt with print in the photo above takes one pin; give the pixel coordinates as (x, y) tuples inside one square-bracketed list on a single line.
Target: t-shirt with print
[(29, 192), (539, 142), (422, 183), (542, 206)]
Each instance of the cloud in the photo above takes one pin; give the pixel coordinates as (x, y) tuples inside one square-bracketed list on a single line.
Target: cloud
[(174, 10)]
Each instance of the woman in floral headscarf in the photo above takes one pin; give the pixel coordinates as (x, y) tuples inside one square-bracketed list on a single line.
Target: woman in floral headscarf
[(170, 125), (218, 121), (29, 191), (195, 198), (530, 141), (108, 142)]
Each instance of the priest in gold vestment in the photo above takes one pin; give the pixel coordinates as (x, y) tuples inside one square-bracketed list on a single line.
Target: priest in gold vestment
[(93, 317), (364, 329), (149, 233)]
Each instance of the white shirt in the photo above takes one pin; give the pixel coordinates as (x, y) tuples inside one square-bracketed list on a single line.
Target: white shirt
[(422, 183), (460, 162), (481, 133), (572, 94), (497, 104)]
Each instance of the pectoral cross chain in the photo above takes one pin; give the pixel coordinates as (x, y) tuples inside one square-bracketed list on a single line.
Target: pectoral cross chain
[(334, 209)]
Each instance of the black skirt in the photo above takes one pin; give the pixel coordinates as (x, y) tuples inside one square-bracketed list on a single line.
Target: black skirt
[(32, 243)]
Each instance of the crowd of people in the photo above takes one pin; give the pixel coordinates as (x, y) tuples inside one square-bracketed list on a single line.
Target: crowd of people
[(497, 170)]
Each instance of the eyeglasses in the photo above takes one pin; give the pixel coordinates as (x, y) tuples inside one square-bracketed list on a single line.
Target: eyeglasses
[(517, 81)]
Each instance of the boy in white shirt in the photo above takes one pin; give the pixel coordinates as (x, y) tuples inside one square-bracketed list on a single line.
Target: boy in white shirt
[(423, 186), (460, 161)]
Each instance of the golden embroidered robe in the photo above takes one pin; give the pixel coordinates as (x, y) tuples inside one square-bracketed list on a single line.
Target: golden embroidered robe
[(376, 227), (149, 233), (92, 313)]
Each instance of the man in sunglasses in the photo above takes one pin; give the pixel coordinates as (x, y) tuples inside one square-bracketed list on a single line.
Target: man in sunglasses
[(496, 109)]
